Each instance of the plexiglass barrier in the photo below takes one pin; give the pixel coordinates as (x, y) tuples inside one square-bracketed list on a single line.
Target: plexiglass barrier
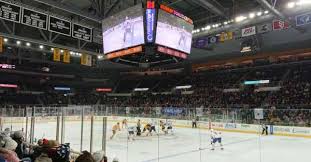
[(243, 137)]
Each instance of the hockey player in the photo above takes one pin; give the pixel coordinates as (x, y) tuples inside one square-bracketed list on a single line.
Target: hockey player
[(138, 127), (124, 123), (147, 128), (216, 138), (264, 129), (131, 131), (194, 123), (163, 127), (128, 32), (169, 126), (153, 127), (115, 128), (182, 39)]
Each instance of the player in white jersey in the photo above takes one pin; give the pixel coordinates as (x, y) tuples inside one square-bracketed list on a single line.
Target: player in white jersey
[(153, 126), (131, 131), (216, 138), (169, 126), (183, 38), (128, 32)]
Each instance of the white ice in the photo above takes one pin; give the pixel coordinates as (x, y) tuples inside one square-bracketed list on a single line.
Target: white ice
[(183, 146)]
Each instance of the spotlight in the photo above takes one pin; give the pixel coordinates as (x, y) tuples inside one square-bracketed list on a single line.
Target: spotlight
[(18, 42), (5, 40), (266, 12), (28, 44), (41, 47)]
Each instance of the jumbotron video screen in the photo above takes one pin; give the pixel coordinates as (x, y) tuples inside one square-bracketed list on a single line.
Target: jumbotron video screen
[(174, 32), (123, 30)]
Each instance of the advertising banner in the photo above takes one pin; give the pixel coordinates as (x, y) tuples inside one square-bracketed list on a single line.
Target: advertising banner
[(249, 31)]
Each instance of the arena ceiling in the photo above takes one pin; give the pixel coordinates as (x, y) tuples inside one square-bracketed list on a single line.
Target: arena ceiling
[(92, 12)]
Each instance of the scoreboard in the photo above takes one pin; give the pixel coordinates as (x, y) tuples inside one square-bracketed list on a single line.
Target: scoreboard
[(150, 29)]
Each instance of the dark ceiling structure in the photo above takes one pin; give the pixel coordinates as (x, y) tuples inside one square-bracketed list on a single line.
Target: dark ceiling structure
[(92, 12)]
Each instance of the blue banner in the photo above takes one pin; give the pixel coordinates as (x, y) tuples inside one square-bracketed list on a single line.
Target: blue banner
[(173, 111), (150, 16), (303, 19)]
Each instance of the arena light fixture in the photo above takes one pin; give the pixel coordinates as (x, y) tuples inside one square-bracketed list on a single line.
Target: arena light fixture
[(141, 89), (291, 5), (8, 86), (62, 88), (61, 51), (183, 87), (259, 13), (303, 2), (103, 89), (52, 49), (240, 18), (266, 12), (18, 42), (28, 44), (41, 46), (252, 15), (5, 39)]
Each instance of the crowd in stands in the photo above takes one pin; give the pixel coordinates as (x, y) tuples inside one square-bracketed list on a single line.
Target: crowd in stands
[(211, 90), (14, 148), (222, 92)]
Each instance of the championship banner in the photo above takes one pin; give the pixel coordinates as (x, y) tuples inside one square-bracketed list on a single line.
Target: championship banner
[(225, 36), (86, 60), (1, 44), (280, 25), (303, 19), (66, 56), (264, 28), (56, 54)]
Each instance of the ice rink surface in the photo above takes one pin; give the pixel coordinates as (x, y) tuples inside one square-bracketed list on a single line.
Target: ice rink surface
[(185, 145)]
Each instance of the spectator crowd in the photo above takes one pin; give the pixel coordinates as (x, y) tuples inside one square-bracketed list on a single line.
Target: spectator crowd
[(14, 148)]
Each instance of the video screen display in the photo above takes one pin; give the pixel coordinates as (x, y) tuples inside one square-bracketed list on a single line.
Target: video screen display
[(123, 30), (174, 32)]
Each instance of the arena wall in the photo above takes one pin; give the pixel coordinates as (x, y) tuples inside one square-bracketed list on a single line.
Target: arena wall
[(228, 127)]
